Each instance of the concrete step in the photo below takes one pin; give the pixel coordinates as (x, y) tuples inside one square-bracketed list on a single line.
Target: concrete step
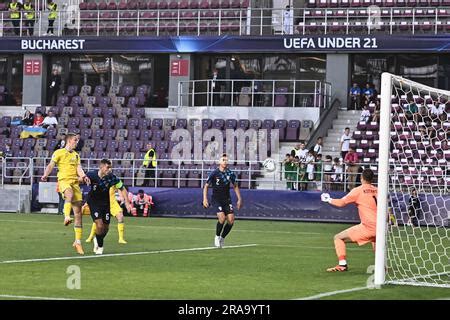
[(345, 122)]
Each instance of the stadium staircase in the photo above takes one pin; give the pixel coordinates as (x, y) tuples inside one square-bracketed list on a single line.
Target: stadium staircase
[(331, 143)]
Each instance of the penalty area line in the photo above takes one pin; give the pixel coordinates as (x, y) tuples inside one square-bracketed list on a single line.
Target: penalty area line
[(31, 297), (125, 254), (332, 293)]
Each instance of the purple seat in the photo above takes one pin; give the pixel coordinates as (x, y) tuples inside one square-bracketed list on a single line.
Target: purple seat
[(112, 145), (219, 124), (98, 133), (230, 124), (206, 124), (72, 90), (144, 123), (137, 146), (76, 101), (110, 133), (146, 135), (157, 124), (158, 135), (293, 130), (99, 91), (255, 124), (80, 111), (121, 123), (181, 123), (268, 124), (281, 125), (100, 145), (86, 133), (51, 133), (73, 122), (126, 91), (124, 145), (137, 112), (133, 123), (244, 124)]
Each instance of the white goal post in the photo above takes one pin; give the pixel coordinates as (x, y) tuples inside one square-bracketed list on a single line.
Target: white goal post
[(413, 247)]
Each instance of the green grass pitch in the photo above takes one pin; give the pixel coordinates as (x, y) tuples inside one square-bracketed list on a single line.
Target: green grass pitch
[(288, 261)]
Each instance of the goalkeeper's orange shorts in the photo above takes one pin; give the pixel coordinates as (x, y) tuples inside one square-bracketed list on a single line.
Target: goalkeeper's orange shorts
[(361, 234)]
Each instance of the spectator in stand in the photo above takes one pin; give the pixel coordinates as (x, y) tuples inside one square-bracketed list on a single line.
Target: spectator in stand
[(436, 110), (367, 93), (351, 162), (50, 121), (318, 171), (355, 97), (289, 171), (28, 118), (300, 151), (38, 119), (7, 152), (411, 110), (288, 21), (53, 88), (376, 112), (302, 177), (319, 146), (328, 171), (365, 114), (336, 178), (310, 164), (345, 142)]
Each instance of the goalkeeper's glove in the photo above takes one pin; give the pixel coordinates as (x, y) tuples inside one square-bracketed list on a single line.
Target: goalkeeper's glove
[(325, 197)]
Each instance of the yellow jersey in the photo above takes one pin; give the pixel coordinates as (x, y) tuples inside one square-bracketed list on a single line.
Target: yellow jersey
[(67, 162)]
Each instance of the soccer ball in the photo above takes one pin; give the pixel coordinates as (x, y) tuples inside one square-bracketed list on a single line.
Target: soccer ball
[(269, 164)]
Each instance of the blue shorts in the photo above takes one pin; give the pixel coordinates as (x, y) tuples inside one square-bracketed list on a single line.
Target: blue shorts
[(223, 206)]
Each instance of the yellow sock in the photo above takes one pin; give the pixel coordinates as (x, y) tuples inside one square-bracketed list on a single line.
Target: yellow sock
[(93, 229), (78, 233), (120, 228), (67, 208)]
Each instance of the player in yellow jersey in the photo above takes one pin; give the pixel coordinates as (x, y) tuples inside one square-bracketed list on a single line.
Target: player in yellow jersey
[(69, 174), (116, 211)]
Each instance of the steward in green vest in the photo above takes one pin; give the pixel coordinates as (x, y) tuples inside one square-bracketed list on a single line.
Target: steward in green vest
[(53, 14), (30, 16), (14, 9), (149, 164)]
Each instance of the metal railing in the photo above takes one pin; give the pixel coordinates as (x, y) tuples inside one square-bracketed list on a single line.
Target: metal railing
[(251, 174), (254, 93), (244, 21)]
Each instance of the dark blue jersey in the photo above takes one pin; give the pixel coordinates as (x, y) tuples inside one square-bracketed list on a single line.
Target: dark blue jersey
[(99, 193), (220, 183)]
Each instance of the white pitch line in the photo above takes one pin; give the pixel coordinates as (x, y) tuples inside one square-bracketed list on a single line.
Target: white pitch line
[(180, 228), (124, 254), (30, 297), (332, 293)]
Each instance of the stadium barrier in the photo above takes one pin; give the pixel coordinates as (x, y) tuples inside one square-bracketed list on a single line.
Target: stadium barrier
[(254, 93), (238, 21), (251, 174)]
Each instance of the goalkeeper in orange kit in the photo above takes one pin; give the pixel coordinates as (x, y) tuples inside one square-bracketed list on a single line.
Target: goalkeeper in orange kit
[(365, 198)]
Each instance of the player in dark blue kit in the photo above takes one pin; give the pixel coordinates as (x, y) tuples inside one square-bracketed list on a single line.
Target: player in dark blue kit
[(219, 180), (98, 200)]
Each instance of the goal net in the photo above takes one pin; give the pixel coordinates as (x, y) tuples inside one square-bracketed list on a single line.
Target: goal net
[(413, 240)]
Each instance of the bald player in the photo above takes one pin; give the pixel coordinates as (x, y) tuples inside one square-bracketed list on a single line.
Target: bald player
[(365, 198)]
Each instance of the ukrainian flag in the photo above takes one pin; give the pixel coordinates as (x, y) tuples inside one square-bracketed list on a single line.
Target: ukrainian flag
[(31, 131)]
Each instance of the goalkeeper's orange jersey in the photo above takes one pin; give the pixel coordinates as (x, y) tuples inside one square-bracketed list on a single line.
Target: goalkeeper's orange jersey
[(365, 198), (67, 162)]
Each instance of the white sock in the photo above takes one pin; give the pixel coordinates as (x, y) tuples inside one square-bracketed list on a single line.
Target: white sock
[(343, 262)]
